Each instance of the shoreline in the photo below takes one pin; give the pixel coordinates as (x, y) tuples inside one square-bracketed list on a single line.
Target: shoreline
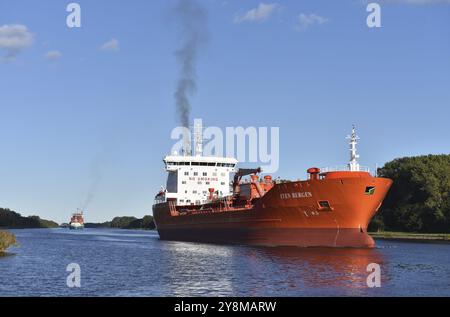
[(383, 235), (59, 227), (410, 236)]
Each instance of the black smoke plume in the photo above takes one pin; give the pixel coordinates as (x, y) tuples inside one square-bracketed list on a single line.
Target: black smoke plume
[(191, 19), (96, 174)]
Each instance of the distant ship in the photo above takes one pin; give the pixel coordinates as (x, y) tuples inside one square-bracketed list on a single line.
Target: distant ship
[(77, 220), (332, 208)]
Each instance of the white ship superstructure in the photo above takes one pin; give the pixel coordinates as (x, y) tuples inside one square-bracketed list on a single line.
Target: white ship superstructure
[(196, 179)]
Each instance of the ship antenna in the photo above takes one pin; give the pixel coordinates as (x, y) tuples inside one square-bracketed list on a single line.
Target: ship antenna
[(187, 142), (198, 136), (353, 165)]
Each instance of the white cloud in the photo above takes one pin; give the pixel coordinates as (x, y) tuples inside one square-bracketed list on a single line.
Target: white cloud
[(110, 46), (14, 38), (53, 55), (261, 13), (306, 20)]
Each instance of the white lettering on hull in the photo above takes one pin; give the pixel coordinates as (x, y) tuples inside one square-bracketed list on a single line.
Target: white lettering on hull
[(295, 195)]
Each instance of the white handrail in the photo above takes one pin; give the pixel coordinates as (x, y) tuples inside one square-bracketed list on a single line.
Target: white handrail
[(340, 168)]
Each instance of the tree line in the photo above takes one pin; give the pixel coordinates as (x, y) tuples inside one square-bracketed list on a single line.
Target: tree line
[(419, 199), (13, 220), (126, 223)]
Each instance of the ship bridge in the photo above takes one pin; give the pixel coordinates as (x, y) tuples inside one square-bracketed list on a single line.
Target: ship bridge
[(195, 179)]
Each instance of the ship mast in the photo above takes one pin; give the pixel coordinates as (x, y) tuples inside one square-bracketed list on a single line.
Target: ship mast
[(198, 137), (353, 165), (186, 142)]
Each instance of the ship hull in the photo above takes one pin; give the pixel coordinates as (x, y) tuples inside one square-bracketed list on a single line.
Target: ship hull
[(299, 237), (76, 226), (288, 215)]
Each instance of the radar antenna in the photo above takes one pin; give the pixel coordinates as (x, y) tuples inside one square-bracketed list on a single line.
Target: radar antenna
[(353, 165)]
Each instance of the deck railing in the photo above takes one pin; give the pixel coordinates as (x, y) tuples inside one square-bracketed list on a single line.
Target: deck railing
[(341, 168)]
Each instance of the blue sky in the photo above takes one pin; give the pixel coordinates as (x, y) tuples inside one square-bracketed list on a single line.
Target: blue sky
[(72, 112)]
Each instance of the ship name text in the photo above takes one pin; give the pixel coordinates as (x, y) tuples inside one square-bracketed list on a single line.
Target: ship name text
[(295, 195)]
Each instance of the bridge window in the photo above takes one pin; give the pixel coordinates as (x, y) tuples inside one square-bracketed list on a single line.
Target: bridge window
[(205, 174), (186, 173)]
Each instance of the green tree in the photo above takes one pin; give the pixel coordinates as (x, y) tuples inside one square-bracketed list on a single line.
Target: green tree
[(12, 219), (148, 223), (122, 222), (419, 199)]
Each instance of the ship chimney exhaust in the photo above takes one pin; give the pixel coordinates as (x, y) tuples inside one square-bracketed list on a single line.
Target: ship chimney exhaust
[(187, 148), (198, 136)]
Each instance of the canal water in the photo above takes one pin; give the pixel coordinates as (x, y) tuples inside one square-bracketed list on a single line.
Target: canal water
[(136, 263)]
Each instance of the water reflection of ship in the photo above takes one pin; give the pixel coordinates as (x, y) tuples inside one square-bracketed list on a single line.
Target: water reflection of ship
[(325, 268), (267, 271), (186, 274)]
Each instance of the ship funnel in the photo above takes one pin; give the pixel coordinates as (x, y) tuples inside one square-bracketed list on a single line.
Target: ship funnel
[(197, 139), (187, 142), (198, 136)]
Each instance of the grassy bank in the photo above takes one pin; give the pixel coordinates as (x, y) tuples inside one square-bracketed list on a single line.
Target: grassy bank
[(6, 240), (411, 236)]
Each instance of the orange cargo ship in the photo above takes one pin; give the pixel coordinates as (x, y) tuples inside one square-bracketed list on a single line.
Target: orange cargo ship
[(332, 208)]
